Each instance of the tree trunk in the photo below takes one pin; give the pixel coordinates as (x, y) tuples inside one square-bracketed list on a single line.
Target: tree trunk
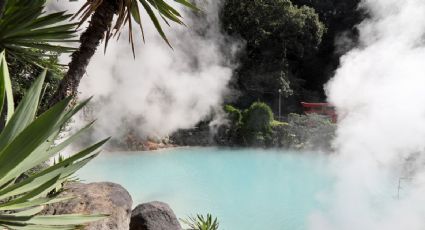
[(99, 25)]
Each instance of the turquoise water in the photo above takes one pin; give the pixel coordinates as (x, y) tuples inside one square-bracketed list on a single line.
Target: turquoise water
[(246, 189)]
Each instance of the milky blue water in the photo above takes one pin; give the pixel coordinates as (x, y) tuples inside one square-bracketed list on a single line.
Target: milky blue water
[(246, 189)]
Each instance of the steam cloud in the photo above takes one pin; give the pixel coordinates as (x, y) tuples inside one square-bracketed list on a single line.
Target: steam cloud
[(162, 90), (379, 94)]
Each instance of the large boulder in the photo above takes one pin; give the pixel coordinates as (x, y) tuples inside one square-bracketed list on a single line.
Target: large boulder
[(96, 198), (154, 216)]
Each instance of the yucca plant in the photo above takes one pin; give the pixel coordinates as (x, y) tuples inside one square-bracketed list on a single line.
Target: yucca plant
[(26, 141), (31, 35), (202, 223)]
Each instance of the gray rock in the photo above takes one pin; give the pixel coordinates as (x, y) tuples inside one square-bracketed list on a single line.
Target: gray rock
[(154, 216), (193, 137), (96, 198)]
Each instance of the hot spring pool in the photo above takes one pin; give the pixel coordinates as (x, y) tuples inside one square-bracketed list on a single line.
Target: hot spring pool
[(246, 189)]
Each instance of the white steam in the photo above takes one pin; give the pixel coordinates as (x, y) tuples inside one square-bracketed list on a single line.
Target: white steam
[(379, 93), (162, 90)]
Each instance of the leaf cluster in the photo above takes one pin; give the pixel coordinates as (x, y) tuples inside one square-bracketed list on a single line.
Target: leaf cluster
[(128, 13), (253, 126), (27, 141), (30, 35), (202, 223)]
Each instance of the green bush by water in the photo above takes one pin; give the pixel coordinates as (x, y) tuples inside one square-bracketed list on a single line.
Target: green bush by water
[(254, 126)]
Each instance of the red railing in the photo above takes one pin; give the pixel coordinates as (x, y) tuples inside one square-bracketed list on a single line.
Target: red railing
[(320, 108)]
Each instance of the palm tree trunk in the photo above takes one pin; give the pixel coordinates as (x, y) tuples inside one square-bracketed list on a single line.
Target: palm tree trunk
[(99, 25)]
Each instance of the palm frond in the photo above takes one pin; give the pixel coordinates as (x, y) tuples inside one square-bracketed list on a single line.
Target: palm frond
[(30, 35), (128, 13)]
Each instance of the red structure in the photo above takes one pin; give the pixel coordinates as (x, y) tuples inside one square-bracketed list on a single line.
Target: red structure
[(320, 108)]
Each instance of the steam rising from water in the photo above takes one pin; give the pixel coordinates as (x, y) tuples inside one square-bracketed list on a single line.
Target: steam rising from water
[(162, 90), (379, 93)]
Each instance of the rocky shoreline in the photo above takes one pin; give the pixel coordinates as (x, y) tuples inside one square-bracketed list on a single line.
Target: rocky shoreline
[(114, 201), (300, 132)]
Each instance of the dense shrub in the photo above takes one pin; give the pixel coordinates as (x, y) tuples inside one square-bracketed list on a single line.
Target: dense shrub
[(253, 126), (256, 128), (258, 118)]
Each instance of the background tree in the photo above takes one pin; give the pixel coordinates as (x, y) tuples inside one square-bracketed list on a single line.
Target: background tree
[(278, 36), (340, 18)]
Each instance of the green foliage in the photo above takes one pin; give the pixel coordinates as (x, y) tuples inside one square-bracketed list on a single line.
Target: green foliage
[(273, 24), (30, 35), (24, 74), (256, 126), (6, 94), (275, 124), (234, 114), (258, 118), (278, 35), (202, 223), (128, 12), (27, 141), (340, 18)]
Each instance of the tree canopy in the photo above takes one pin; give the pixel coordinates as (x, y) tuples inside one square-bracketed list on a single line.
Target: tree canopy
[(278, 35), (340, 18)]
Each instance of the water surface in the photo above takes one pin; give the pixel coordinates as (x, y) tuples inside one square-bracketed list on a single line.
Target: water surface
[(246, 189)]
